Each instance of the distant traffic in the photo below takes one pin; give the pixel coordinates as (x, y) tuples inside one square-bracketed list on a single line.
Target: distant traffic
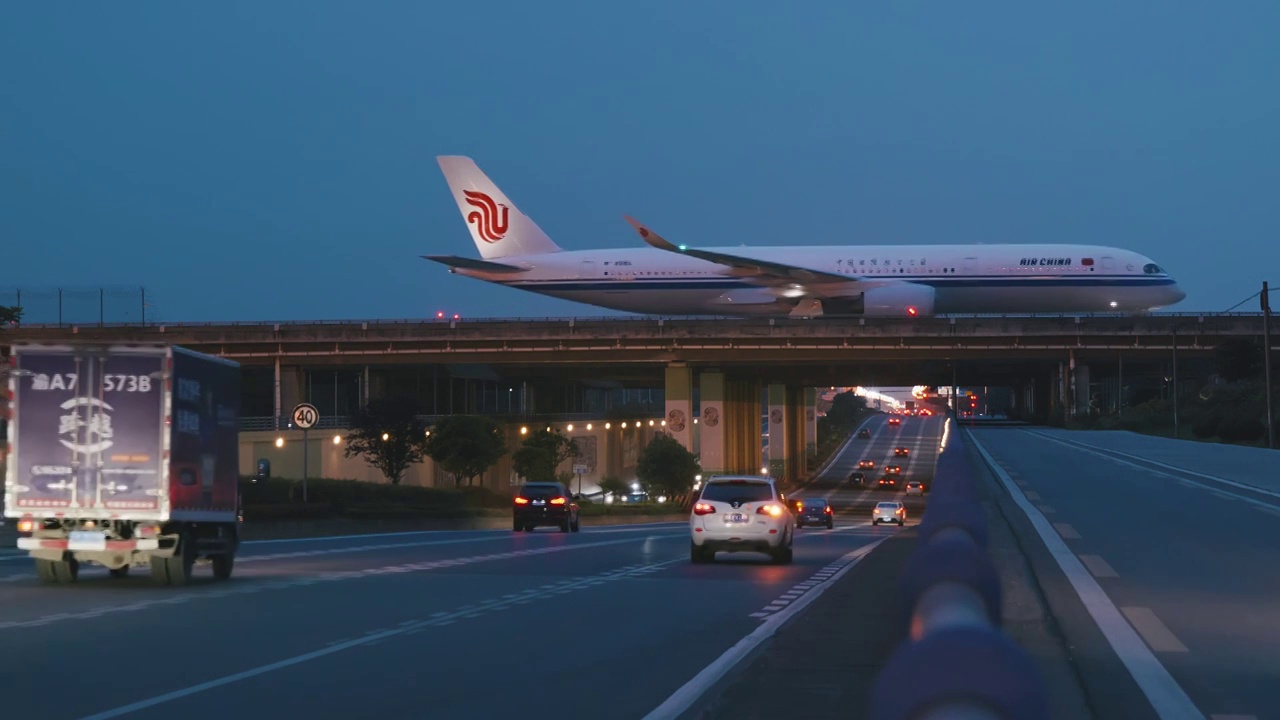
[(798, 281)]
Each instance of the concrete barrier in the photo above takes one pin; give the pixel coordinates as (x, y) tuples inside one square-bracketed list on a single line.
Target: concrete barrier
[(953, 661)]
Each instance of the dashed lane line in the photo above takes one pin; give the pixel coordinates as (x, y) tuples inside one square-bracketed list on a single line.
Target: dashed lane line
[(1166, 696), (326, 577), (375, 636)]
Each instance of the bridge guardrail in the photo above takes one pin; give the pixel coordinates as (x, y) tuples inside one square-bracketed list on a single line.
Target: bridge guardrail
[(954, 660)]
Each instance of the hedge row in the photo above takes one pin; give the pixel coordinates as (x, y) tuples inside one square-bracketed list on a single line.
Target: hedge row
[(342, 495)]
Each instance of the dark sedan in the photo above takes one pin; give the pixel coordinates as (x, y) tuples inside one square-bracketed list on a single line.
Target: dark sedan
[(544, 504), (814, 511)]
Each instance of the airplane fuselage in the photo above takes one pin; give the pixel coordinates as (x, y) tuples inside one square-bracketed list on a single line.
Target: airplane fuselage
[(965, 279)]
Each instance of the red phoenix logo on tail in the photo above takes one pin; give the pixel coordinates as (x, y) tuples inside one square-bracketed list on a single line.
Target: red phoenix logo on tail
[(490, 223)]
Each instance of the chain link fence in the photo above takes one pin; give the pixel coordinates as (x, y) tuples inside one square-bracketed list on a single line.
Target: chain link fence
[(80, 305)]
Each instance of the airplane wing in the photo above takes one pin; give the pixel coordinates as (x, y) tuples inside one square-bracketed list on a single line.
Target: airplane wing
[(745, 265), (454, 261)]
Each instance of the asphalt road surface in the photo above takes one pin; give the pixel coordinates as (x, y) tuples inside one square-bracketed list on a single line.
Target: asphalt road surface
[(609, 622), (1174, 549), (853, 503)]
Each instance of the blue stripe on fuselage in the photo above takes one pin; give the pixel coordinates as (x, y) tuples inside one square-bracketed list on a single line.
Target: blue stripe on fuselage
[(987, 281)]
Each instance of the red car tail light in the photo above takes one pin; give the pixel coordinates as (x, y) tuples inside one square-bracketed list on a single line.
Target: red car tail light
[(703, 508), (558, 501), (827, 511), (770, 509), (522, 501)]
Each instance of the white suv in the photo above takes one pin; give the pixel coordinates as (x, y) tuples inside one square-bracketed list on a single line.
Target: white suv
[(741, 513)]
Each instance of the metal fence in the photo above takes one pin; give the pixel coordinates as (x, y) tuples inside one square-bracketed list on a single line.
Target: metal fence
[(955, 661), (58, 307)]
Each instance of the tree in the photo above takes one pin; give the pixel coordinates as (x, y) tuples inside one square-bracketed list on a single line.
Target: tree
[(666, 467), (389, 435), (614, 486), (10, 315), (846, 408), (466, 445), (539, 457), (1237, 359)]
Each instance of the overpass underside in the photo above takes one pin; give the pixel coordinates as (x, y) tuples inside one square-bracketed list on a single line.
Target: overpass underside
[(739, 370)]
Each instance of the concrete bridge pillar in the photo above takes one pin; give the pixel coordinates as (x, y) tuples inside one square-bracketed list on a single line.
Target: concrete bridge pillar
[(778, 422), (711, 425), (1081, 389), (795, 437), (810, 424), (679, 399), (741, 419)]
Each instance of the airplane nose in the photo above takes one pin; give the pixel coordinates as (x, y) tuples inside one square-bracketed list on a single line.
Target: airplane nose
[(1176, 294)]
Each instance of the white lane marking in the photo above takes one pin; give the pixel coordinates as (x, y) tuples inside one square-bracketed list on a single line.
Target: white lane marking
[(1164, 693), (1109, 454), (1066, 531), (1099, 567), (1046, 509), (369, 638), (334, 576), (1032, 495), (684, 698), (630, 527), (1271, 510), (1157, 634)]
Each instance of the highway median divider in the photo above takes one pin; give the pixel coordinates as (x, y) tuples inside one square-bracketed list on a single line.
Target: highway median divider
[(953, 658)]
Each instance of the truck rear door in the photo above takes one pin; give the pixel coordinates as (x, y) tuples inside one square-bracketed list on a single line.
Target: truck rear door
[(89, 435)]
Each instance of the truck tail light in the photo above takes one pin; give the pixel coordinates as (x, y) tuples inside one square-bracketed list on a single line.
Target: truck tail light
[(28, 524)]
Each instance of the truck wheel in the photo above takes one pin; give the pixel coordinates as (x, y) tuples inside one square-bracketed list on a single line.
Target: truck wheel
[(66, 571), (44, 571), (223, 565), (183, 560)]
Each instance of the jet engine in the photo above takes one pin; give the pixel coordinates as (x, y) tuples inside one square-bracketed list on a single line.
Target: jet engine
[(904, 299)]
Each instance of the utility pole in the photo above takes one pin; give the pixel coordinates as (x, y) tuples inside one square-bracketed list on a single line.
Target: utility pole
[(1174, 387), (1266, 360)]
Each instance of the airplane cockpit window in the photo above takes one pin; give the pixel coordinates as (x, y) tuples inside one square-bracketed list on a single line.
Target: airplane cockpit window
[(1152, 269)]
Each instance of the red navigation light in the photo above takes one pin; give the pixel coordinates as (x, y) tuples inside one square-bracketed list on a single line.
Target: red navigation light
[(911, 310), (439, 314), (456, 316)]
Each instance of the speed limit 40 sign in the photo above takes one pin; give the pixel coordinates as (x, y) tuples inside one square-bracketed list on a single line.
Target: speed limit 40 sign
[(305, 416)]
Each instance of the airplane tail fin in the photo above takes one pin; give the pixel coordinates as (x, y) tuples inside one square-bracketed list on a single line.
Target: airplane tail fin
[(498, 228)]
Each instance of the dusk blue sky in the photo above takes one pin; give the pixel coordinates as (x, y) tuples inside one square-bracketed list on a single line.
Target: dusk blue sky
[(276, 160)]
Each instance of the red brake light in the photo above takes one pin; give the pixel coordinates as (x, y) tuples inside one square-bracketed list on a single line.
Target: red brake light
[(912, 311), (28, 525), (522, 501), (558, 501), (770, 509), (828, 510), (702, 508)]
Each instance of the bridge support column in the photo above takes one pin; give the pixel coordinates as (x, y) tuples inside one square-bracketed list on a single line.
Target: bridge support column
[(778, 417), (711, 425), (1083, 394), (741, 419), (679, 398), (292, 389), (795, 434), (810, 424)]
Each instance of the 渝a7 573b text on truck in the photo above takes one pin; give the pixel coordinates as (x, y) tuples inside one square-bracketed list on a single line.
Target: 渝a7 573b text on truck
[(124, 456)]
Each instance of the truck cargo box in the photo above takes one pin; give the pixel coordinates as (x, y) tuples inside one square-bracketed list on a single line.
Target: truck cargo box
[(140, 432)]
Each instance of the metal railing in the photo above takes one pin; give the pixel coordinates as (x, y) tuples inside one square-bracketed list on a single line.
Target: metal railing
[(627, 319), (954, 661)]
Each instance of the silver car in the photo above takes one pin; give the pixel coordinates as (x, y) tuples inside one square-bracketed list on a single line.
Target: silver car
[(890, 511)]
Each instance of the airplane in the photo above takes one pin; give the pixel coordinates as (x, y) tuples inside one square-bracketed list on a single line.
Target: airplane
[(665, 278)]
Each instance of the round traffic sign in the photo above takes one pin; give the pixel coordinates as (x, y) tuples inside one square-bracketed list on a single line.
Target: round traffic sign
[(305, 416)]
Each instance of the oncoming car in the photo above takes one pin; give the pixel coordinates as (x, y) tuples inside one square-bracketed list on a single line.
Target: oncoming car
[(741, 513)]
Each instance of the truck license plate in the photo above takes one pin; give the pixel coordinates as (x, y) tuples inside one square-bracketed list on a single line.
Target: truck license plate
[(82, 540), (735, 518)]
